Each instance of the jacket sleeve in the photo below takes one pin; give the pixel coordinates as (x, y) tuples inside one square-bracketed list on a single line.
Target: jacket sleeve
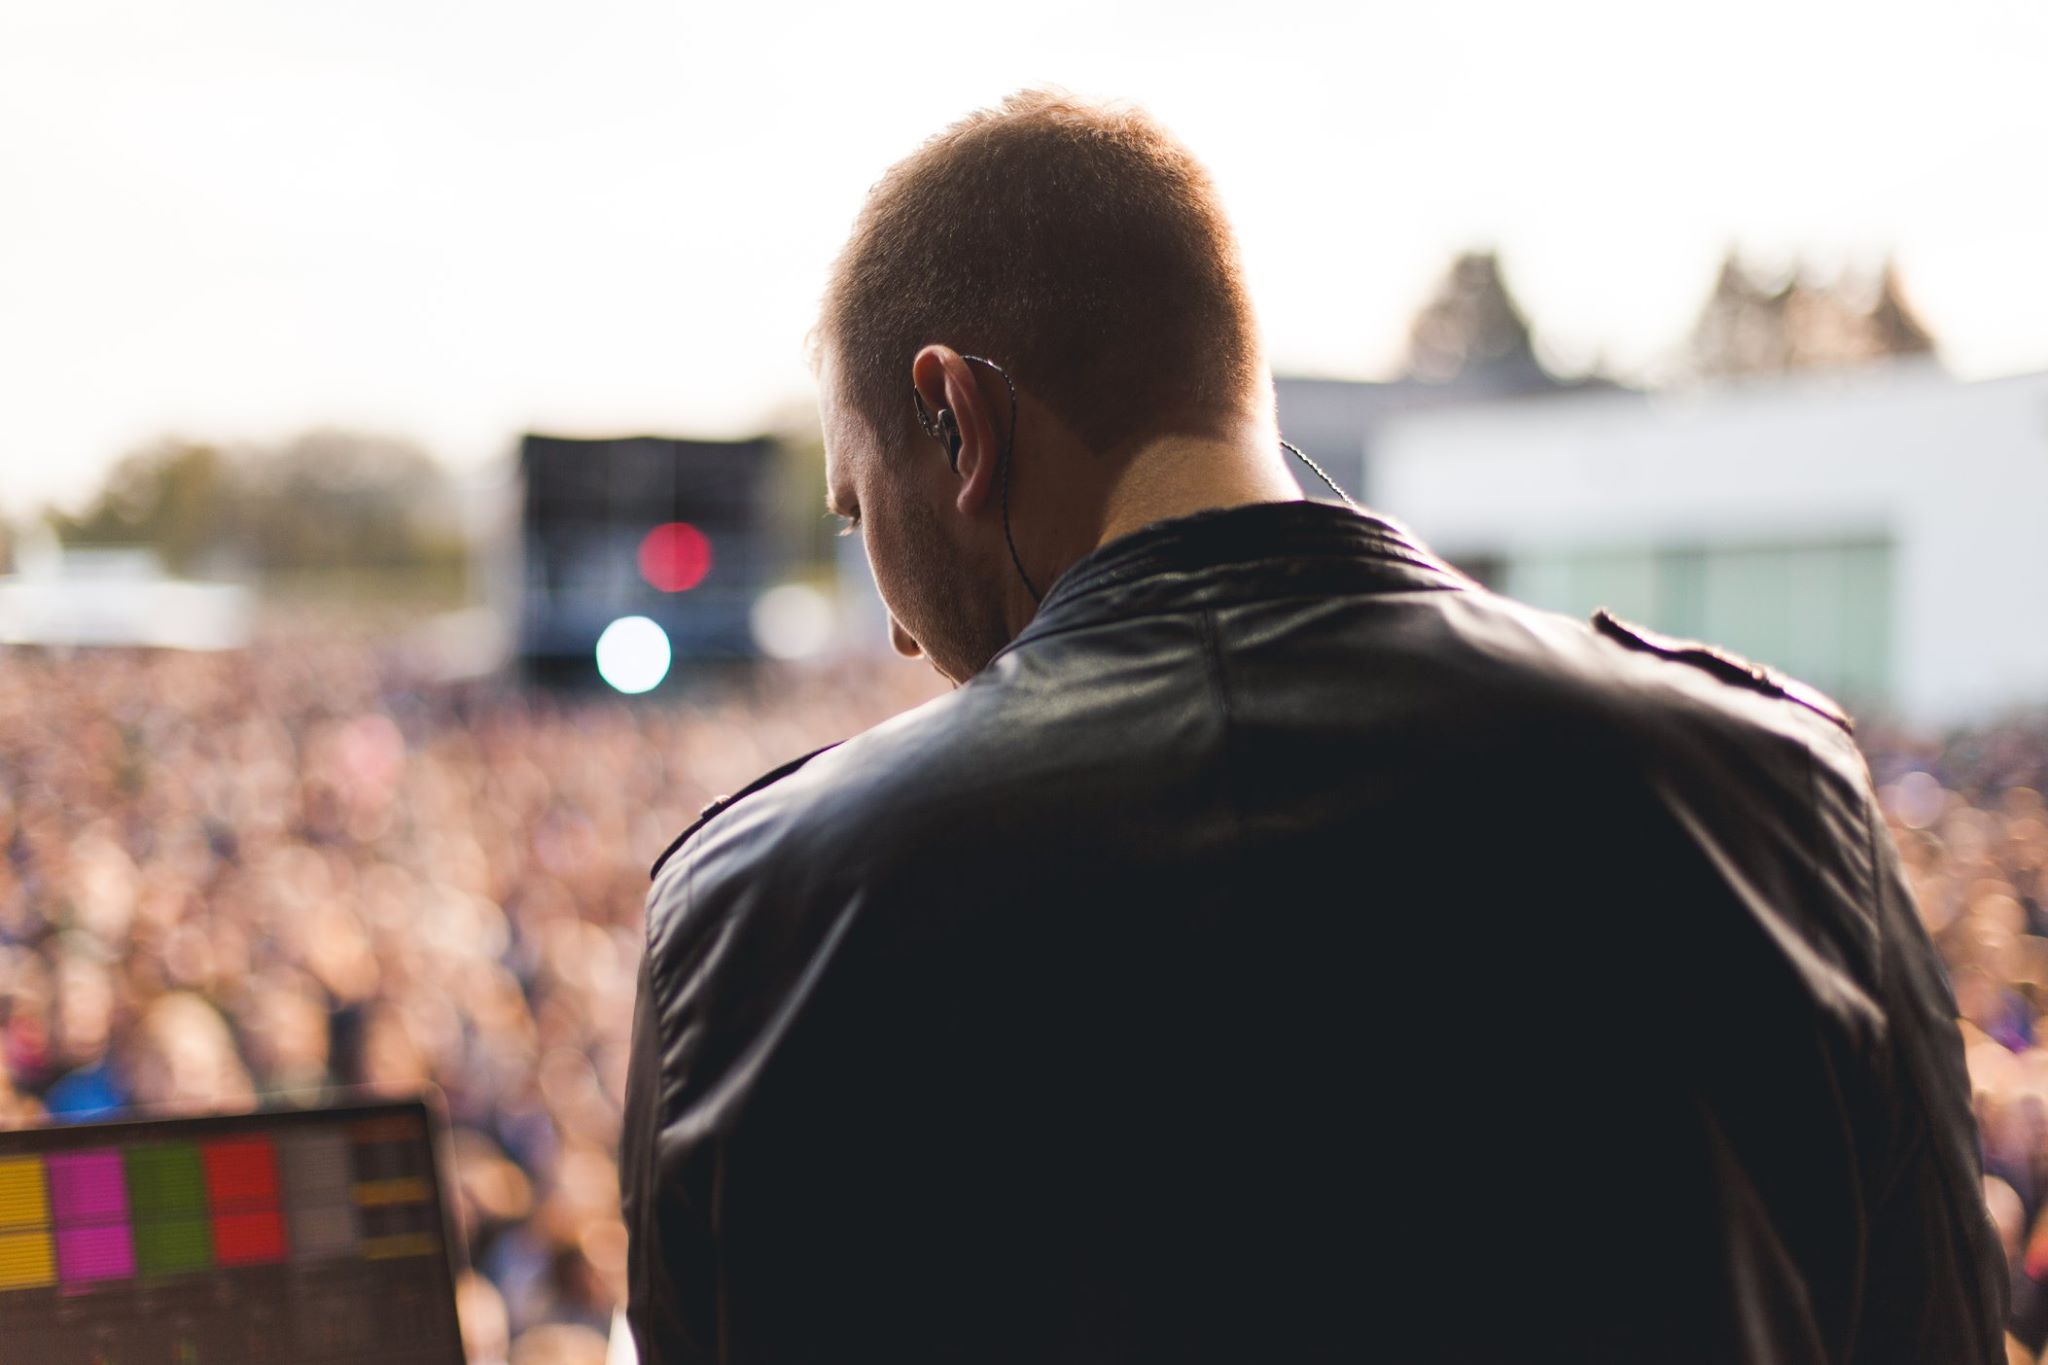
[(1937, 1286), (671, 1269), (690, 1028)]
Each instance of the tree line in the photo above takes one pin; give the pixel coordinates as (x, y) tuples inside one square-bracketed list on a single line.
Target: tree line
[(325, 500)]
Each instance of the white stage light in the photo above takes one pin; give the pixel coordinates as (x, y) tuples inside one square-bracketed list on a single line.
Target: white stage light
[(633, 654)]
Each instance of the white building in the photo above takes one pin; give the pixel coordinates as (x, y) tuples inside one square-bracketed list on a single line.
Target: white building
[(1881, 532), (115, 597)]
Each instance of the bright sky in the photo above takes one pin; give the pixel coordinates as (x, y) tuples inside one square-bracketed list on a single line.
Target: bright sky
[(456, 219)]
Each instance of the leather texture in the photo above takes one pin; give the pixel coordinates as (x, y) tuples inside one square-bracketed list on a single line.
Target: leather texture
[(1289, 950)]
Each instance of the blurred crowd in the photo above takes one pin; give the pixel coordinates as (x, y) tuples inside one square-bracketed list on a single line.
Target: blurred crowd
[(306, 869), (303, 869), (1972, 830)]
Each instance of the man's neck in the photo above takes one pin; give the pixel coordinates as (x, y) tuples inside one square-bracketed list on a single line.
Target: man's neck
[(1178, 475)]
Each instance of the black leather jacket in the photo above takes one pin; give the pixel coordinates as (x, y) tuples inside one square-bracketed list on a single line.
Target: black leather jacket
[(1288, 950)]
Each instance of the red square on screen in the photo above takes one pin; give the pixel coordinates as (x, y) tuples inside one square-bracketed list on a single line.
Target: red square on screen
[(240, 1174), (248, 1238)]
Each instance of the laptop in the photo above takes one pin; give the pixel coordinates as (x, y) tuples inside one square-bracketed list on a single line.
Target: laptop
[(302, 1237)]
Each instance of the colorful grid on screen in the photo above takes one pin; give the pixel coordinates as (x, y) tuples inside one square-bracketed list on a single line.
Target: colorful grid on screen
[(78, 1219)]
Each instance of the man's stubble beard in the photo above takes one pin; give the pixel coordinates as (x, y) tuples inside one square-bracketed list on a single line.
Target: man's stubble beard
[(960, 636)]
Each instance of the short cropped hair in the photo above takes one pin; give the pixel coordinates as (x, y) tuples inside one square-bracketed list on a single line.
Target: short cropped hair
[(1077, 244)]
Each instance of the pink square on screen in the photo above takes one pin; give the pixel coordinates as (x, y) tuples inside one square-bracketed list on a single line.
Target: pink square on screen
[(95, 1253), (87, 1187)]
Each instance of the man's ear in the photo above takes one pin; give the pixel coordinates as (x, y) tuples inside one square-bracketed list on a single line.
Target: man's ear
[(945, 379)]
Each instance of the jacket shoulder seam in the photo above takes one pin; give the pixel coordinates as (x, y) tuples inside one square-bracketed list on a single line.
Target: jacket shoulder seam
[(720, 804), (1724, 664)]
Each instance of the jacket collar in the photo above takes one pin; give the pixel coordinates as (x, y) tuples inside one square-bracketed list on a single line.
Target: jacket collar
[(1224, 554)]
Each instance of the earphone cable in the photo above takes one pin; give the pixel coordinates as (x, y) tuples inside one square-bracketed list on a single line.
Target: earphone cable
[(1010, 446)]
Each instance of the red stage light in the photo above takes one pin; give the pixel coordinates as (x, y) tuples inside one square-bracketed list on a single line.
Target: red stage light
[(675, 556)]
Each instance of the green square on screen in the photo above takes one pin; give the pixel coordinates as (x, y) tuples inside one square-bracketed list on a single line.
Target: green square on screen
[(165, 1180), (172, 1246)]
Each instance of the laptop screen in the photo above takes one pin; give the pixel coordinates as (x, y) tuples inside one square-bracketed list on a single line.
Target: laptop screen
[(312, 1237)]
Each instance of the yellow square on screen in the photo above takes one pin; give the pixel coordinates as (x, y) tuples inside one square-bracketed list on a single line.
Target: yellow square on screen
[(24, 1193), (26, 1260)]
